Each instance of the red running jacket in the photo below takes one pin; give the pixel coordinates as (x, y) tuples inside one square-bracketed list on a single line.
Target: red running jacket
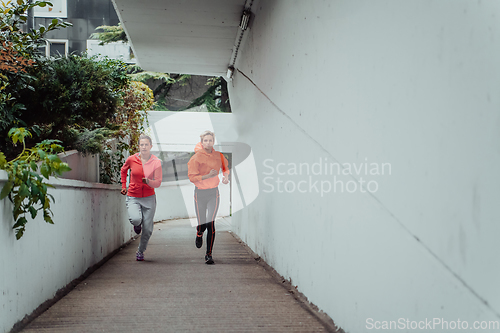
[(151, 170)]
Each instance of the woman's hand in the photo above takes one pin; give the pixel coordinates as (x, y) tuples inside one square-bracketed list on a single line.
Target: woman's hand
[(211, 174), (145, 180), (225, 180), (123, 191)]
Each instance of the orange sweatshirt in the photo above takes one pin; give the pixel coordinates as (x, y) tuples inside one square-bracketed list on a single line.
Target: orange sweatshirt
[(151, 170), (201, 163)]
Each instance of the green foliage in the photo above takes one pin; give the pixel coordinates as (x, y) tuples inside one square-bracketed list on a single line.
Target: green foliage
[(216, 97), (26, 187), (13, 15), (132, 69), (92, 142), (144, 76), (88, 90), (83, 101), (130, 122), (160, 104), (18, 53), (111, 161), (110, 34), (162, 83), (161, 91)]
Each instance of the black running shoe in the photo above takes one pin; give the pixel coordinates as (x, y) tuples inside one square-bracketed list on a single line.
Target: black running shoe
[(199, 240), (209, 260), (137, 229)]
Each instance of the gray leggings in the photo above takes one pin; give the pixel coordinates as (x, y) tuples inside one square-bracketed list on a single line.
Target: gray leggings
[(207, 205), (142, 210)]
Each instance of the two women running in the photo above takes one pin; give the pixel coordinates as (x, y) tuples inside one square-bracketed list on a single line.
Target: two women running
[(146, 175)]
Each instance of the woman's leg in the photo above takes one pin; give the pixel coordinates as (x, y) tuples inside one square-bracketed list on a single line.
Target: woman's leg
[(213, 207), (148, 205), (134, 211), (200, 205)]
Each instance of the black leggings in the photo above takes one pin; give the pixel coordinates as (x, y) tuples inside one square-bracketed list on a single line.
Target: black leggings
[(207, 203)]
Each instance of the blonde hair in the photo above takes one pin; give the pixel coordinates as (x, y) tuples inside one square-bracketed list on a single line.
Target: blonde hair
[(204, 134), (144, 136)]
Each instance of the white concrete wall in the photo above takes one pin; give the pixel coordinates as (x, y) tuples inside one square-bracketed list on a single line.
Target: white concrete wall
[(90, 222), (411, 83), (179, 131)]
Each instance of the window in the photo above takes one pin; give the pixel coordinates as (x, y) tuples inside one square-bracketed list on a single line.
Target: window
[(174, 165), (59, 9), (55, 47)]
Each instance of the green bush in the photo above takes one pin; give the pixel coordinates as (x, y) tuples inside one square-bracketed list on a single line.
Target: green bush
[(73, 92), (130, 122), (77, 100), (18, 52)]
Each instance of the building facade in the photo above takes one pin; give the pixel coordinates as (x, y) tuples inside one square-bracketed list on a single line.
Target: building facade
[(86, 16)]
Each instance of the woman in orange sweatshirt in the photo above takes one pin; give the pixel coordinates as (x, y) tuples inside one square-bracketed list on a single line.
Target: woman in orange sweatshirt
[(203, 171), (145, 176)]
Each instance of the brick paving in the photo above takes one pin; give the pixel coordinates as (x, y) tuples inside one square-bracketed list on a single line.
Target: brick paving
[(173, 290)]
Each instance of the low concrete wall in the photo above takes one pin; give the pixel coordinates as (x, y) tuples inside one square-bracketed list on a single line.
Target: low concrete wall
[(90, 223), (85, 168)]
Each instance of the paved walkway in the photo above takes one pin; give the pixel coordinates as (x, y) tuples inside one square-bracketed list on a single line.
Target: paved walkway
[(174, 291)]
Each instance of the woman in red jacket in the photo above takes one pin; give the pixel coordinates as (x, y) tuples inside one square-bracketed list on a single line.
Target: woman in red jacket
[(145, 176), (203, 171)]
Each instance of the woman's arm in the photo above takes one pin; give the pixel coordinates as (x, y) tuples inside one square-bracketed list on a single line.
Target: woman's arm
[(225, 163), (157, 177), (193, 172), (225, 169), (123, 173)]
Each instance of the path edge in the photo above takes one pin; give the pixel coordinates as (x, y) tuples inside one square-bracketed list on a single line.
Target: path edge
[(303, 301)]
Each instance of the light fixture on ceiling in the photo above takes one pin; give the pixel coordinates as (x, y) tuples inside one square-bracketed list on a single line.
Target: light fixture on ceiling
[(245, 18), (230, 72)]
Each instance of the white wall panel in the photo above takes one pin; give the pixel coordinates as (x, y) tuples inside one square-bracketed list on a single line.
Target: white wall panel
[(410, 83)]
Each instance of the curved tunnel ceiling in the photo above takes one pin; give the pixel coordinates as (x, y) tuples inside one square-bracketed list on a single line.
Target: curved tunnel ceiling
[(182, 36)]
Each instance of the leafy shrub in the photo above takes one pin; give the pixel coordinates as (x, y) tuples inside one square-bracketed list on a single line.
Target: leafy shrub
[(18, 52), (110, 34), (129, 122), (25, 186), (93, 142), (138, 98), (73, 91)]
